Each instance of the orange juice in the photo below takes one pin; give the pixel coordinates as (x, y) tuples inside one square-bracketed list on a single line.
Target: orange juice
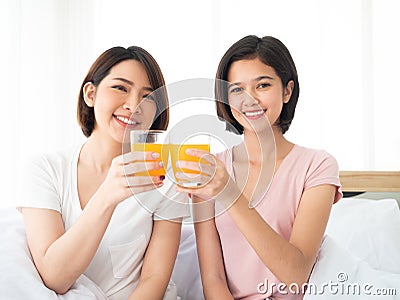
[(178, 152), (158, 148)]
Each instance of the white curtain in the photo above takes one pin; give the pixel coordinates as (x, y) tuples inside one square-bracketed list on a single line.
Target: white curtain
[(346, 54)]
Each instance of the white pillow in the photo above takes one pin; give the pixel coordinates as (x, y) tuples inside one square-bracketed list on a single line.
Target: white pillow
[(369, 229), (338, 274), (22, 278)]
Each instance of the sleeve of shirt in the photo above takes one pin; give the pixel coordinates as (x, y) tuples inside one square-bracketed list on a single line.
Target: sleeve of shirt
[(324, 169), (37, 185)]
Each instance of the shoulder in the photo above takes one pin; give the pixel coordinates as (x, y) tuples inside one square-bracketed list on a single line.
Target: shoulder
[(314, 165), (51, 162), (312, 152), (224, 155), (322, 168), (45, 178), (314, 157)]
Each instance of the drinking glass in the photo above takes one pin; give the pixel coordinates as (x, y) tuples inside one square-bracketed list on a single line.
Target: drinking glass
[(151, 141), (178, 147)]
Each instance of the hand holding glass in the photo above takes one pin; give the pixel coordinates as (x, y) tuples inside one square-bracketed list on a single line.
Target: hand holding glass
[(178, 151)]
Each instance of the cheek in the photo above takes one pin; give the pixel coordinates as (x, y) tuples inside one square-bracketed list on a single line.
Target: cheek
[(102, 102), (235, 112), (99, 108), (274, 113), (235, 102), (149, 111)]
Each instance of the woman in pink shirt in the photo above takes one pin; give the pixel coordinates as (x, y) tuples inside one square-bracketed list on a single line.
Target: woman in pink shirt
[(272, 197)]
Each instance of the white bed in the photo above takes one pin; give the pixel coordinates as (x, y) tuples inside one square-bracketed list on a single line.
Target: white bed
[(360, 254)]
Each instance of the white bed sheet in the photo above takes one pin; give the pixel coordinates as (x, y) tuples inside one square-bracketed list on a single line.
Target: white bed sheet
[(369, 230), (360, 255), (338, 274), (362, 242), (19, 278)]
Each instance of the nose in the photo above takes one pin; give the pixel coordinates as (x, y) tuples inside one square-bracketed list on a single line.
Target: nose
[(132, 104), (250, 97)]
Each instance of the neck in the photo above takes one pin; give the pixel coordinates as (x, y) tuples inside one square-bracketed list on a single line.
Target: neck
[(260, 145), (99, 152)]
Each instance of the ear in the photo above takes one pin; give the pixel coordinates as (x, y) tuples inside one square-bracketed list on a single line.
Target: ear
[(287, 93), (89, 92)]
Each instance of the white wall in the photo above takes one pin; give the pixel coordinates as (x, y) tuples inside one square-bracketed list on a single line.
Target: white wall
[(345, 51)]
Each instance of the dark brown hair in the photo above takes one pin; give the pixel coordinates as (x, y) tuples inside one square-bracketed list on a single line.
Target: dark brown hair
[(101, 68), (271, 52)]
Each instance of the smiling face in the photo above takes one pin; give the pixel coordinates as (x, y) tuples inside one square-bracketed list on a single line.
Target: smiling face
[(122, 100), (256, 94)]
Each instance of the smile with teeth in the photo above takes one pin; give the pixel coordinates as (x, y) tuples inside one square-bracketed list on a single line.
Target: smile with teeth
[(126, 120), (254, 113)]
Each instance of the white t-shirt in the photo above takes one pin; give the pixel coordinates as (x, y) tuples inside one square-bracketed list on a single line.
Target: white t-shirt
[(50, 181)]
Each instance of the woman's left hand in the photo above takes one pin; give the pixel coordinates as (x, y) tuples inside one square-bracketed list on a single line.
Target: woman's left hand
[(216, 183)]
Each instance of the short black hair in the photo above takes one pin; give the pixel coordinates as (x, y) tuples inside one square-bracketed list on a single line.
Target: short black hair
[(271, 52)]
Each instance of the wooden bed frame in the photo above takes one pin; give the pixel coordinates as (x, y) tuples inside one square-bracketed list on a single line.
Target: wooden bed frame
[(370, 181)]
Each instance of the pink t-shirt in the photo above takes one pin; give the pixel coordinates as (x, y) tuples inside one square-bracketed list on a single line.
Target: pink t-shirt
[(301, 169)]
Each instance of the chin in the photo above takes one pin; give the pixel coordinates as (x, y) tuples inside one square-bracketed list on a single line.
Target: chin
[(257, 125), (120, 137)]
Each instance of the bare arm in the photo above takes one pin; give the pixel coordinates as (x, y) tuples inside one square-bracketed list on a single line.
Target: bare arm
[(211, 260), (291, 261), (61, 257), (159, 261)]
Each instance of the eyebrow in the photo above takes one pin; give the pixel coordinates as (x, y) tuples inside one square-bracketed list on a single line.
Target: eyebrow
[(147, 88), (124, 80), (254, 80)]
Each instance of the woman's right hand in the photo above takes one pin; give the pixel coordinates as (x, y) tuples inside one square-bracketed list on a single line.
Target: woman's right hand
[(218, 184), (121, 182)]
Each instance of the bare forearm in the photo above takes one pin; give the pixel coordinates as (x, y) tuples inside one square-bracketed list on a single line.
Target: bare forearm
[(153, 287), (211, 261), (215, 288), (69, 256), (279, 255), (159, 260)]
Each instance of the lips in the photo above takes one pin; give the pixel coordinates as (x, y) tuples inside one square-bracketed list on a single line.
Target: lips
[(254, 113), (125, 120)]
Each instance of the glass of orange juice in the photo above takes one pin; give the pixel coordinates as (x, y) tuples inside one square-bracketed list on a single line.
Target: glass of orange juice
[(151, 141), (178, 147)]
